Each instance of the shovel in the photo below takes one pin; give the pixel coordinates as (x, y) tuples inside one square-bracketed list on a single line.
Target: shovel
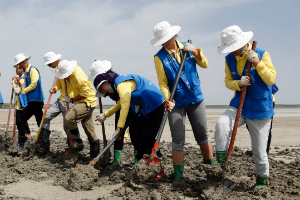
[(228, 184), (107, 154), (9, 112)]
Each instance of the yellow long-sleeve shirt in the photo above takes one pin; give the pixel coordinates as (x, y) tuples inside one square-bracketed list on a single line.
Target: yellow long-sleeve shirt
[(16, 96), (82, 86), (264, 68), (161, 74), (124, 90), (34, 77), (60, 85)]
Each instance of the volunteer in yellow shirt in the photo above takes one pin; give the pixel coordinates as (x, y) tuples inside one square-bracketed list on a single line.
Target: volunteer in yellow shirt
[(84, 96)]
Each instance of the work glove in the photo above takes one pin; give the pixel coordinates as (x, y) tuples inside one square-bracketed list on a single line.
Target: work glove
[(17, 90), (251, 54), (188, 47), (68, 99), (101, 118), (170, 105), (16, 80), (245, 81), (115, 134), (52, 90)]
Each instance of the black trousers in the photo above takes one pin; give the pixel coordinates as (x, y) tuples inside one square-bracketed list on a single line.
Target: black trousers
[(33, 108), (143, 138), (18, 119)]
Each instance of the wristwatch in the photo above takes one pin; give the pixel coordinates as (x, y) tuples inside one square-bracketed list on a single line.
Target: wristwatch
[(71, 100)]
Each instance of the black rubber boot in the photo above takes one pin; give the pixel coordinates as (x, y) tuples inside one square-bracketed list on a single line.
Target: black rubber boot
[(94, 148), (76, 140), (43, 141)]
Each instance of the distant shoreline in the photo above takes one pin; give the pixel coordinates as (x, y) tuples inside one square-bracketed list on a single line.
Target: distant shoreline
[(6, 106)]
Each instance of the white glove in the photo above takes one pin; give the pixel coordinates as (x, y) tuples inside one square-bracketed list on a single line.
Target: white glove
[(245, 81), (170, 105), (251, 54), (67, 99), (52, 90), (16, 81), (188, 47), (101, 118), (17, 90), (115, 134)]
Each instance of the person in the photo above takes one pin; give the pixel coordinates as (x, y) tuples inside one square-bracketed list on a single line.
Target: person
[(34, 95), (105, 66), (85, 99), (132, 89), (21, 103), (59, 106), (258, 105), (188, 97)]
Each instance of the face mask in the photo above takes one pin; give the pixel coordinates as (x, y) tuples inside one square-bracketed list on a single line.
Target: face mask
[(111, 89), (241, 54)]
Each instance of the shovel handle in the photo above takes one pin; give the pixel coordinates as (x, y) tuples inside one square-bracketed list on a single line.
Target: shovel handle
[(9, 112), (103, 128), (240, 108)]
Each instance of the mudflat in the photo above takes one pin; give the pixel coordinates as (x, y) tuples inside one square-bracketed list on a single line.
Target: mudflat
[(27, 175)]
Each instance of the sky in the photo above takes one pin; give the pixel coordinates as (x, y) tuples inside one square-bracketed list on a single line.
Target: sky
[(120, 31)]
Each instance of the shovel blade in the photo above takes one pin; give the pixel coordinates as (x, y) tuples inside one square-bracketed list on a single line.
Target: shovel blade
[(71, 154), (227, 185)]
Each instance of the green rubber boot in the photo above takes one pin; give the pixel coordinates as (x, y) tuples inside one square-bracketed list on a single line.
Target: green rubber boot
[(117, 157), (178, 171), (260, 181), (221, 157), (209, 161), (135, 159)]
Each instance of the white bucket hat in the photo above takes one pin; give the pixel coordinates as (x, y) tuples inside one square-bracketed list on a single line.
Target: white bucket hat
[(163, 32), (65, 68), (20, 58), (51, 57), (233, 38), (98, 67), (98, 93)]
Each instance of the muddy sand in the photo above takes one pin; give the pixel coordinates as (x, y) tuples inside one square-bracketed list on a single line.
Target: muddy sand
[(27, 175)]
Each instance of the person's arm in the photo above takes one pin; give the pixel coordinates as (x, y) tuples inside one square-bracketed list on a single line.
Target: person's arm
[(34, 76), (266, 70), (58, 85), (229, 81), (201, 60), (162, 78), (124, 91), (113, 109)]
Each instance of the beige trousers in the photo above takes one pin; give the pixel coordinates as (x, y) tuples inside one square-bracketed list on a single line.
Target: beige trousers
[(83, 113)]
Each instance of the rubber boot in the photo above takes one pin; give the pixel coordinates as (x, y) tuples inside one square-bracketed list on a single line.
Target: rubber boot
[(209, 161), (94, 148), (260, 181), (178, 171), (117, 157), (76, 140), (21, 143), (44, 142), (221, 157), (135, 159)]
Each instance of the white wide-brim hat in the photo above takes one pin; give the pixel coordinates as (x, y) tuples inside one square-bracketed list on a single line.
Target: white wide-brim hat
[(98, 67), (233, 38), (51, 57), (65, 68), (163, 32), (98, 93), (20, 58)]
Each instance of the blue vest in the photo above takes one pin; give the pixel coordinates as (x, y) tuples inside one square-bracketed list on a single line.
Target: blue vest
[(146, 95), (37, 93), (22, 97), (258, 102), (1, 100), (188, 89)]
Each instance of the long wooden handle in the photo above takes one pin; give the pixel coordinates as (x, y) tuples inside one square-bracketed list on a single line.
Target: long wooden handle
[(103, 127), (239, 112), (9, 112)]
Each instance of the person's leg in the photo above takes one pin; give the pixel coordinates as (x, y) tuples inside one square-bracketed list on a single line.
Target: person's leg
[(223, 131), (259, 131), (63, 109), (38, 112)]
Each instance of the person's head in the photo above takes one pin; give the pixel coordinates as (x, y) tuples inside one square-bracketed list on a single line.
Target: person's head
[(105, 88), (164, 34), (52, 59), (234, 40), (104, 85), (21, 61), (19, 70), (65, 68)]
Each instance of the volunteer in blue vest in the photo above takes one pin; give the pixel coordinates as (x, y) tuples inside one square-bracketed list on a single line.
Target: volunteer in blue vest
[(84, 96), (34, 93), (258, 105), (188, 97), (59, 106), (100, 67), (21, 102), (136, 90)]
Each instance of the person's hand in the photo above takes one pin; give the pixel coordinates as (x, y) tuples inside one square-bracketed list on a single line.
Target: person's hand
[(117, 131), (101, 118), (245, 81), (68, 99), (170, 105), (188, 47), (17, 90), (16, 80), (52, 90), (251, 54)]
